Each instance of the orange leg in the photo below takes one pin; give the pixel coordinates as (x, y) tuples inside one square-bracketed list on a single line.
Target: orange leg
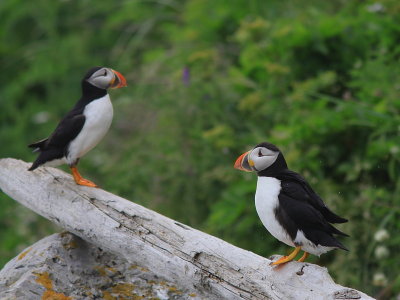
[(288, 258), (79, 179), (303, 258)]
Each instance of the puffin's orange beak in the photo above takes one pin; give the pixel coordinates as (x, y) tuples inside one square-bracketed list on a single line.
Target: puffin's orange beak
[(242, 163), (118, 81)]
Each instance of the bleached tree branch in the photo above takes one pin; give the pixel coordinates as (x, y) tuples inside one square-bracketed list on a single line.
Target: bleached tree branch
[(190, 258)]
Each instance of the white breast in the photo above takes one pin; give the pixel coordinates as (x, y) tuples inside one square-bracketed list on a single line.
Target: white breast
[(98, 114), (266, 201), (268, 189)]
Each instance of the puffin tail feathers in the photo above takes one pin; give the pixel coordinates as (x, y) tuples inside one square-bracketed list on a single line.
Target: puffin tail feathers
[(46, 155), (334, 230), (34, 166), (38, 145), (340, 245), (326, 239), (331, 217)]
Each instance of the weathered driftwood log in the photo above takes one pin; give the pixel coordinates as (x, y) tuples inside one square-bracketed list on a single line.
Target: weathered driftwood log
[(194, 260)]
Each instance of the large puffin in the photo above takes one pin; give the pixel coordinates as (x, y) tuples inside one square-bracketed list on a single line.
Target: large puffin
[(84, 126), (287, 205)]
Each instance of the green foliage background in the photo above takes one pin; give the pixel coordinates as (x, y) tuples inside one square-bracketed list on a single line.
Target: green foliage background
[(207, 81)]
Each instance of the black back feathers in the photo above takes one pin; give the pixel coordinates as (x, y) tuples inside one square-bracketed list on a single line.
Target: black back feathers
[(300, 208)]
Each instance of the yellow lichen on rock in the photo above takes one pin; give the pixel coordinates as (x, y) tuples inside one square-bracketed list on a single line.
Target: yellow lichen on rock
[(22, 255), (45, 280), (101, 270), (123, 289), (174, 290), (52, 295), (108, 296), (71, 245)]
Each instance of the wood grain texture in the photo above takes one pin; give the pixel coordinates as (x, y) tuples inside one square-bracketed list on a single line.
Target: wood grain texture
[(190, 258)]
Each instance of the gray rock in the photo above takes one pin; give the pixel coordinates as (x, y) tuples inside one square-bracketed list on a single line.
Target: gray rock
[(65, 267)]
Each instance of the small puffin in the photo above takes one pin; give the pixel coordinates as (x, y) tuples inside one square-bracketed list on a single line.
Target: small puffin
[(84, 126), (287, 205)]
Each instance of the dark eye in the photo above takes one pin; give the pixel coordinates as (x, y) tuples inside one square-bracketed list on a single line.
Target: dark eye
[(105, 73), (260, 153)]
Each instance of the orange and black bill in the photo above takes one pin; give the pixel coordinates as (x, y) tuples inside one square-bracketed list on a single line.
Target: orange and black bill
[(242, 162), (119, 80)]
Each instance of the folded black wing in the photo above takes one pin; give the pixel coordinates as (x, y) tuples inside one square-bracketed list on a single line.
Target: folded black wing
[(66, 131), (296, 214), (55, 147), (295, 186)]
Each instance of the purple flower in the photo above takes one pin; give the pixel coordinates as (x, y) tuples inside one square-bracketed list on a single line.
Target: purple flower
[(186, 76)]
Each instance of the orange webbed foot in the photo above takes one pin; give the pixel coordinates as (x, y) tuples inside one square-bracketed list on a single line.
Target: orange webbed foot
[(288, 258), (80, 180), (86, 182)]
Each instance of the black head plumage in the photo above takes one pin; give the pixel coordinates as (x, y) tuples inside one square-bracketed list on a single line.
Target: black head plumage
[(89, 91), (90, 72)]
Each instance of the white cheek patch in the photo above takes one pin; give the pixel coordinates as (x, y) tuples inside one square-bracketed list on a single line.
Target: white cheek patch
[(263, 162), (99, 80)]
